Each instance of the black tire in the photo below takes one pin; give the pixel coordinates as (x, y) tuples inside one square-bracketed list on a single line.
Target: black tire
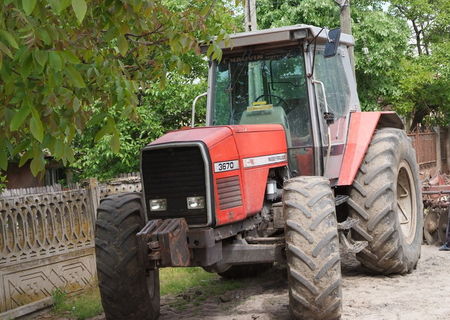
[(312, 249), (126, 289), (245, 270), (378, 191)]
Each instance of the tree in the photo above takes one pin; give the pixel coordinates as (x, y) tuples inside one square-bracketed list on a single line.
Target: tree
[(381, 44), (381, 39), (429, 19), (160, 110), (59, 58), (423, 94)]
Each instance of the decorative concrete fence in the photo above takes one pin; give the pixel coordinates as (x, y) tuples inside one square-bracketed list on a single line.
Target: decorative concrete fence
[(47, 242)]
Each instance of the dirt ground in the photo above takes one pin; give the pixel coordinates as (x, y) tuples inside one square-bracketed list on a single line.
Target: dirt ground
[(421, 295)]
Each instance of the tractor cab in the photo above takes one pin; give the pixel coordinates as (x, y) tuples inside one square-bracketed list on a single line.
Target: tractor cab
[(287, 76)]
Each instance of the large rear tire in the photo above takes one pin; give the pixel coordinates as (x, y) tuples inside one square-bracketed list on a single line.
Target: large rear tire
[(312, 248), (127, 290), (386, 198)]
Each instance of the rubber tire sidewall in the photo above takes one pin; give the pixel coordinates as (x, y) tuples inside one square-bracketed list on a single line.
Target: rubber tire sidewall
[(123, 280), (388, 149)]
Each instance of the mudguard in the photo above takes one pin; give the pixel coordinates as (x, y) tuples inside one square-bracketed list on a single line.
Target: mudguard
[(361, 129)]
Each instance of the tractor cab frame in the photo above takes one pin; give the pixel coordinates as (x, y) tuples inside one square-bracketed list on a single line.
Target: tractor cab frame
[(310, 94)]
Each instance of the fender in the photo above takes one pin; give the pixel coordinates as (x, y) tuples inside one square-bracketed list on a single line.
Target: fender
[(361, 129)]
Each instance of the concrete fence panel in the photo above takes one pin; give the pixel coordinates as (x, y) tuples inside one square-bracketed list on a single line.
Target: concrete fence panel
[(46, 242)]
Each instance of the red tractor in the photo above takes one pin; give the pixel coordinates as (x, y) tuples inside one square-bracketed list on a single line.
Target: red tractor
[(288, 170)]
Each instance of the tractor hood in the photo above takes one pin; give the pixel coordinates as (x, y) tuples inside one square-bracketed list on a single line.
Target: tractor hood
[(246, 136), (228, 164)]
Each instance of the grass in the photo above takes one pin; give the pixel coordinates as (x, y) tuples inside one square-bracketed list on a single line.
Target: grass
[(177, 280), (80, 307), (174, 281)]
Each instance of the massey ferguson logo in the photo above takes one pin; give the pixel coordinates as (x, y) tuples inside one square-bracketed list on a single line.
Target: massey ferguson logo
[(260, 161)]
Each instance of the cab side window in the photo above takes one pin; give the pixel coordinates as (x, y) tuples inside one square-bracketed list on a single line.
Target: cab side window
[(332, 73)]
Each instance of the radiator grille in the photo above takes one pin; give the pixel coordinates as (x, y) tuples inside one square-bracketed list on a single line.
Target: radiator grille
[(175, 173), (229, 191)]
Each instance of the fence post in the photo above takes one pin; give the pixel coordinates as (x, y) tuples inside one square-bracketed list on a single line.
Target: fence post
[(438, 149), (94, 196)]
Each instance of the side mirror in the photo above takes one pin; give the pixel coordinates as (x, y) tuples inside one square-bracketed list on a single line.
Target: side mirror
[(333, 43)]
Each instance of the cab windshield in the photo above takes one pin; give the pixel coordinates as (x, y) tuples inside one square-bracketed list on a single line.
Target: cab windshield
[(264, 89)]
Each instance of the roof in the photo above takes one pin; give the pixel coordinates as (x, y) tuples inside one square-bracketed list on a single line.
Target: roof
[(283, 34)]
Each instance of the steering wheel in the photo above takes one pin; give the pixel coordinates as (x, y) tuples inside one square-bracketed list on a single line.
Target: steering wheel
[(280, 100)]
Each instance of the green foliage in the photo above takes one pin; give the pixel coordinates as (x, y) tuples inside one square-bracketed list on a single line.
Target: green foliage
[(177, 280), (60, 57), (276, 13), (80, 307), (387, 70), (424, 95), (3, 181), (424, 78), (381, 43), (161, 110)]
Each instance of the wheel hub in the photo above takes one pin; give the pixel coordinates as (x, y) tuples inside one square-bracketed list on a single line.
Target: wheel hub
[(406, 208)]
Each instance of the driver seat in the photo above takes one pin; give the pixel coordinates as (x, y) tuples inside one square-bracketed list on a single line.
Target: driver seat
[(275, 115)]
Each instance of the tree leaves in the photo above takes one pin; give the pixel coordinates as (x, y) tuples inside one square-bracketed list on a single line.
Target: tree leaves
[(28, 6), (3, 155), (36, 128), (122, 44), (75, 77), (41, 57), (19, 117), (69, 72), (37, 164), (5, 50), (55, 61), (9, 38), (79, 7)]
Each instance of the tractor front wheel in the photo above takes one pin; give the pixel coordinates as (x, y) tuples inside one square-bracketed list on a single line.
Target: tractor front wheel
[(312, 249), (386, 199), (128, 291)]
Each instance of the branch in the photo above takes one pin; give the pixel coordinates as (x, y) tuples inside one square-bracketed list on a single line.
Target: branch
[(138, 36), (210, 9), (148, 43)]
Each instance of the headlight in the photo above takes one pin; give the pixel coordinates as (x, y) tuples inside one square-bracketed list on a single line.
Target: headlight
[(195, 202), (158, 205)]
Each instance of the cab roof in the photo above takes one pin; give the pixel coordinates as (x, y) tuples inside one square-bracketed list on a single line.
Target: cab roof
[(289, 34)]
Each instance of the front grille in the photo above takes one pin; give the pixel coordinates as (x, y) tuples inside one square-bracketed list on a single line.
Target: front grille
[(229, 191), (175, 173)]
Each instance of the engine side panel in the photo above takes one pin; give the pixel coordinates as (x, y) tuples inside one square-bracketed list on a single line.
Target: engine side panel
[(240, 191), (259, 151)]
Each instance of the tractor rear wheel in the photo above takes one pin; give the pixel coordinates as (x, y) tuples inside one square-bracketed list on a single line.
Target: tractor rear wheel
[(386, 198), (312, 248), (127, 290)]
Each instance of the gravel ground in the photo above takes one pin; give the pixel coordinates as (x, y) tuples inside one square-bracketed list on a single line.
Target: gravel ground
[(421, 295)]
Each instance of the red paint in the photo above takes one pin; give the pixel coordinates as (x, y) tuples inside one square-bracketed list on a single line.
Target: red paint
[(305, 162), (226, 143), (361, 129), (254, 141)]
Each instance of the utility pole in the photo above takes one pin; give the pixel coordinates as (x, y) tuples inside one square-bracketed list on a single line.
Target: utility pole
[(250, 15), (346, 25)]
